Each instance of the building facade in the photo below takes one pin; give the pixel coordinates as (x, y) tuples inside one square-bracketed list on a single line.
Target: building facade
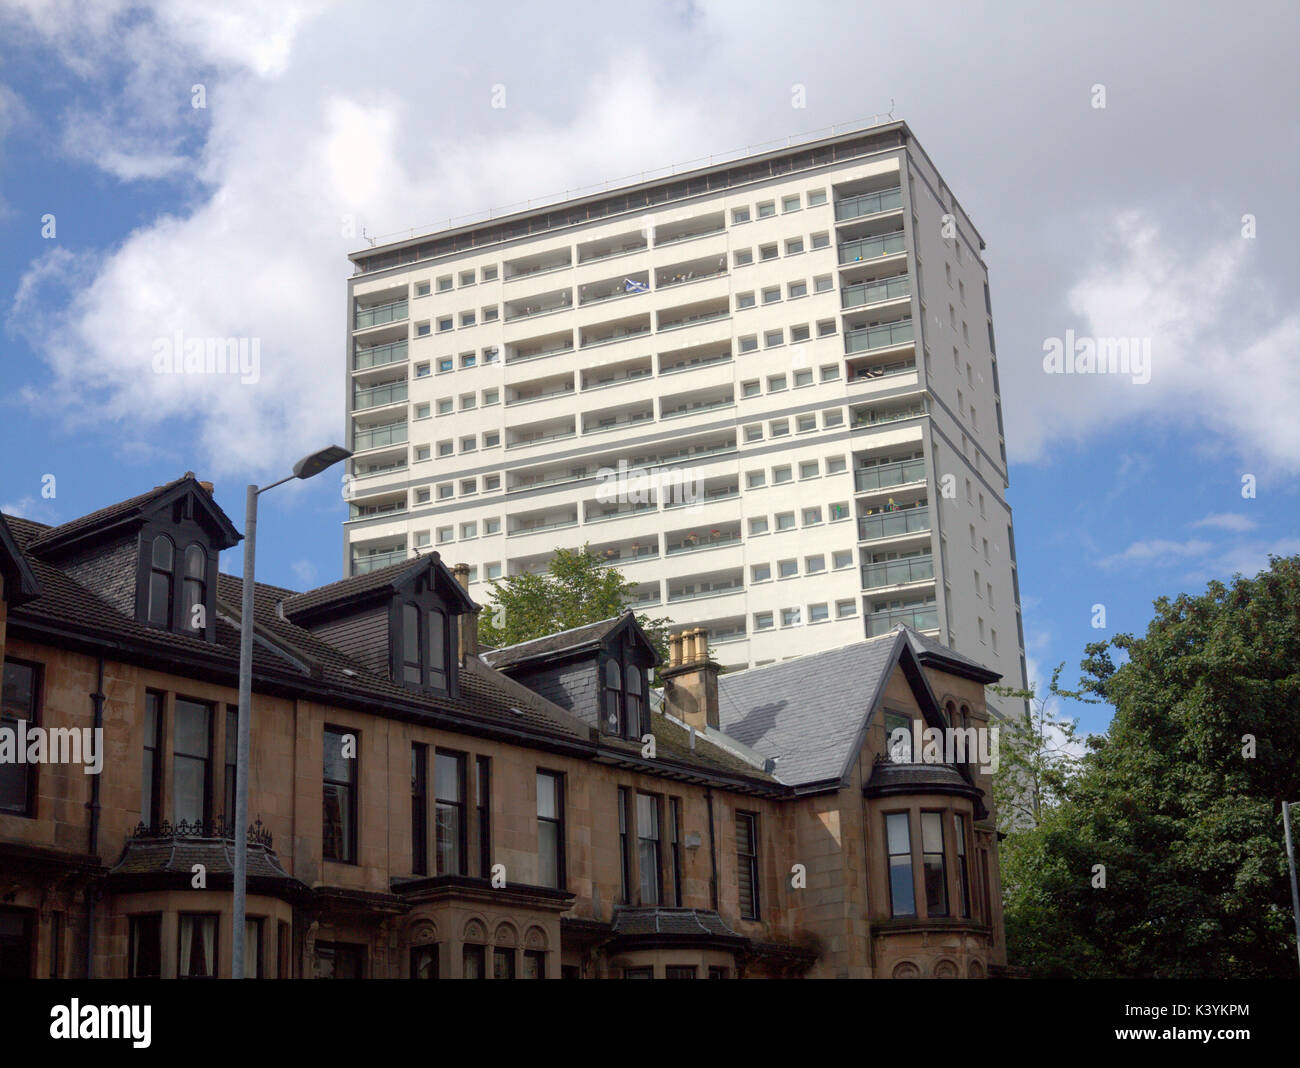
[(426, 809), (791, 358)]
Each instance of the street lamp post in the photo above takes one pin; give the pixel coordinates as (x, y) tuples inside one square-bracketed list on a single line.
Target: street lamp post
[(304, 468)]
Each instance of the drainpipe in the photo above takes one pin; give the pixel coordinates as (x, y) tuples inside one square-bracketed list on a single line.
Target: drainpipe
[(97, 702), (713, 852)]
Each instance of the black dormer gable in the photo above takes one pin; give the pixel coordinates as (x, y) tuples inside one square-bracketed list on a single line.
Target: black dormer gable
[(154, 557), (600, 672), (397, 621)]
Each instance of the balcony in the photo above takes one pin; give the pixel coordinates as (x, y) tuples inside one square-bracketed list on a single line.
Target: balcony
[(883, 336), (609, 247), (690, 229), (363, 564), (548, 477), (539, 389), (537, 264), (897, 572), (697, 356), (693, 315), (612, 419), (599, 511), (868, 204), (882, 476), (644, 597), (377, 437), (606, 375), (924, 617), (627, 552), (870, 248), (893, 524), (609, 333), (382, 507), (363, 359), (717, 489), (542, 304), (536, 522), (378, 396), (536, 433), (870, 372), (537, 348), (683, 404), (698, 587), (693, 541), (378, 314), (877, 292), (865, 417), (612, 288), (679, 274), (383, 467)]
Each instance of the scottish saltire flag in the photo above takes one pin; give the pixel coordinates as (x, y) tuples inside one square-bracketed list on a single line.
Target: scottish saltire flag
[(630, 286)]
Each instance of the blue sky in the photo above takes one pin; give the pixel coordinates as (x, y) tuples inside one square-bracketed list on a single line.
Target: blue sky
[(321, 121)]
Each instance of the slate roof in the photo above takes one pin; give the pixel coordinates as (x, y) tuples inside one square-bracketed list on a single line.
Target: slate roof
[(292, 656), (564, 641), (115, 512), (682, 923), (809, 712), (298, 604), (929, 650)]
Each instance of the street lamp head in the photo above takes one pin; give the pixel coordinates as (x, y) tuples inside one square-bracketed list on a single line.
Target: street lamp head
[(318, 461)]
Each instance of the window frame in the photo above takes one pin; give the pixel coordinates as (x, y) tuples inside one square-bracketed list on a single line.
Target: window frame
[(748, 860)]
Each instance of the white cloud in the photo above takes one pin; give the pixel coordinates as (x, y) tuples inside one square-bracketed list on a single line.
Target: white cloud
[(1226, 521), (1156, 550), (1222, 347), (1246, 560)]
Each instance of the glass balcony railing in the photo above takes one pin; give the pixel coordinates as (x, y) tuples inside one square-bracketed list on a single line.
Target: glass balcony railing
[(882, 476), (693, 543), (525, 527), (870, 248), (698, 406), (878, 337), (882, 370), (924, 618), (713, 591), (892, 524), (363, 511), (689, 235), (379, 355), (377, 436), (543, 350), (596, 383), (872, 417), (897, 572), (541, 394), (538, 307), (589, 340), (362, 565), (380, 314), (875, 292), (376, 396), (693, 320), (869, 204), (608, 423), (532, 439)]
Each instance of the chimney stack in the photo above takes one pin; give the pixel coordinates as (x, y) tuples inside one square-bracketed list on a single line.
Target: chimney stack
[(466, 622), (691, 680)]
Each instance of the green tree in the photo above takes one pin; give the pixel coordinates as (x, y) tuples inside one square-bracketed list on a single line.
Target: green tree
[(1179, 801), (576, 588), (1036, 756)]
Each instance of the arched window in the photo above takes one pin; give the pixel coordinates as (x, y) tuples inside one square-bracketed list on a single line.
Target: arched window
[(613, 697), (411, 671), (161, 578), (437, 648), (194, 588), (636, 724)]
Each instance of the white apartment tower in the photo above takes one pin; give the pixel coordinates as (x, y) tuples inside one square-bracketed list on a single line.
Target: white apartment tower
[(803, 338)]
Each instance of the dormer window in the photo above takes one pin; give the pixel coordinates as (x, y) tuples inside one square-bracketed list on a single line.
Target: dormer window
[(623, 698), (426, 649), (165, 609), (161, 581)]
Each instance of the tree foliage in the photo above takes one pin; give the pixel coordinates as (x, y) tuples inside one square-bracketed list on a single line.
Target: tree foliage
[(576, 588), (1180, 800)]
